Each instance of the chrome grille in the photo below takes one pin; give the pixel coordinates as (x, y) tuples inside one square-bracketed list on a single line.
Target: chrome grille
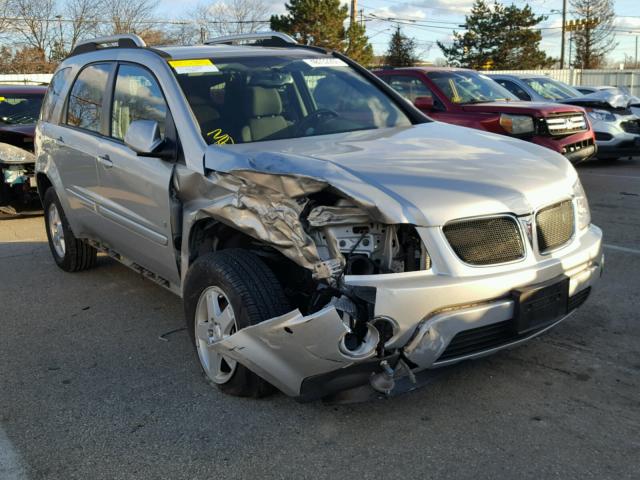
[(566, 124), (554, 225), (485, 241)]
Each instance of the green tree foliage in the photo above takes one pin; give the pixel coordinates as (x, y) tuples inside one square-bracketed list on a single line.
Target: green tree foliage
[(321, 23), (500, 37), (402, 50), (597, 39), (358, 46)]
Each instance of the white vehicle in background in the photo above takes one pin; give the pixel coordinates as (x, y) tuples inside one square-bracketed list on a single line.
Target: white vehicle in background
[(613, 113)]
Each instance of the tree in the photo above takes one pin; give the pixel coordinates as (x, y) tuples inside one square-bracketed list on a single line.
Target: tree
[(127, 16), (401, 51), (83, 16), (36, 28), (321, 23), (233, 17), (358, 46), (498, 37), (314, 22), (596, 39)]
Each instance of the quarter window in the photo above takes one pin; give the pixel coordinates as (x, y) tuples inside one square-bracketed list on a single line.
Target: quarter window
[(53, 93), (85, 100), (137, 96)]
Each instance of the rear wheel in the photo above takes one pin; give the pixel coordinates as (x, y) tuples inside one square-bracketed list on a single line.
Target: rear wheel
[(70, 253), (225, 292)]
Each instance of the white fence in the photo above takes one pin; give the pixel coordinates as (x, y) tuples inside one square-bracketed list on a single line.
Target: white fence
[(629, 79), (25, 78)]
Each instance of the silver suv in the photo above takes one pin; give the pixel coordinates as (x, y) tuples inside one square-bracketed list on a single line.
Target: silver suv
[(322, 232)]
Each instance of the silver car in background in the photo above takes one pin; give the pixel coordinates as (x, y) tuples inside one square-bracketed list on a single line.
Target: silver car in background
[(614, 121), (322, 232)]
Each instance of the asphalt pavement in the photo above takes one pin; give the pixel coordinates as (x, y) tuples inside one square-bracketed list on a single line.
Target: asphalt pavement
[(90, 388)]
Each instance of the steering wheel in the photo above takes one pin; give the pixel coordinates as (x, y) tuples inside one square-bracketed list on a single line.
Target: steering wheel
[(314, 117)]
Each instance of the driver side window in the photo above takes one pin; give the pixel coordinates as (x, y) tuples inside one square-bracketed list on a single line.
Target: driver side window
[(137, 96)]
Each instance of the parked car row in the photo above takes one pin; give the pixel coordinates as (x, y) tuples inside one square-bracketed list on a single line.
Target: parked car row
[(611, 111), (323, 233), (467, 98)]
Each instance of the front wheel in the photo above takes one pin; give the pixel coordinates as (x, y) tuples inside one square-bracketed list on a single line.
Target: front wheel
[(224, 292), (70, 253)]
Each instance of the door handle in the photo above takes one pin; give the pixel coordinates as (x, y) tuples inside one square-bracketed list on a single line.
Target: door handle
[(60, 140), (105, 161)]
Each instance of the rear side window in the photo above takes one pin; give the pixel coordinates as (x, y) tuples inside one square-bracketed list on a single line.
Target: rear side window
[(84, 108), (52, 97), (137, 96), (517, 90), (408, 86)]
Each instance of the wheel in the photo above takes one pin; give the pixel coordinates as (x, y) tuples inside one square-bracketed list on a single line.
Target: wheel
[(70, 253), (224, 292)]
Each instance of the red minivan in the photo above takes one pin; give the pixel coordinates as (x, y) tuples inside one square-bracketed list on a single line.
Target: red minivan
[(468, 98)]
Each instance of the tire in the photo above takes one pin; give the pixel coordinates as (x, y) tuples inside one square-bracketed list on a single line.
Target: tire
[(75, 255), (241, 280)]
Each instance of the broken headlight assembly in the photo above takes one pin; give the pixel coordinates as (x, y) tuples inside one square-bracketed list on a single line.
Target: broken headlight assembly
[(602, 115)]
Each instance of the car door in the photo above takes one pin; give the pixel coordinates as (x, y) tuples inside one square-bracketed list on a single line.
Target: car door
[(135, 190), (77, 137)]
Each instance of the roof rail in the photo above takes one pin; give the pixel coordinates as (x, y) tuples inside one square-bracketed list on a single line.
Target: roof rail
[(125, 40), (266, 39)]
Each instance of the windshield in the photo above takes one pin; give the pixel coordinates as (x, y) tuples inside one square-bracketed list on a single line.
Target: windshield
[(20, 109), (464, 87), (552, 89), (241, 100)]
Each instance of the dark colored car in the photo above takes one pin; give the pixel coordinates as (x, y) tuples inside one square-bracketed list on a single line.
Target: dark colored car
[(19, 111), (468, 98)]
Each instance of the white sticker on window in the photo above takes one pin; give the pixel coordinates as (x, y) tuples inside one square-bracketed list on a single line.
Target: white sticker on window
[(325, 62), (202, 65)]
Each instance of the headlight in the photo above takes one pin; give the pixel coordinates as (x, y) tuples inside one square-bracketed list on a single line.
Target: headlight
[(582, 205), (602, 115), (516, 124)]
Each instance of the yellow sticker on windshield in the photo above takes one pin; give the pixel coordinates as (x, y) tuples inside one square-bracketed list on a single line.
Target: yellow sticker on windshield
[(201, 65)]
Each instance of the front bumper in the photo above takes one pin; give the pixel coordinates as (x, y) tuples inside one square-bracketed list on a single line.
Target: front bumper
[(304, 356), (576, 148), (613, 141)]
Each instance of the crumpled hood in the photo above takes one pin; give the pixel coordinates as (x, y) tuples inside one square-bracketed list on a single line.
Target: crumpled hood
[(426, 174), (608, 99)]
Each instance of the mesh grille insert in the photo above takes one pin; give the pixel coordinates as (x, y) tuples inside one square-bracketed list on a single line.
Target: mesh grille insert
[(485, 241), (554, 225)]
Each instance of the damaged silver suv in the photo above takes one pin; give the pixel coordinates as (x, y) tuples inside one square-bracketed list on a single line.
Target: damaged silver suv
[(323, 233)]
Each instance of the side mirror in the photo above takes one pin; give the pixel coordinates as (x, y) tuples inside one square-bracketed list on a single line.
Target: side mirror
[(143, 137), (423, 103)]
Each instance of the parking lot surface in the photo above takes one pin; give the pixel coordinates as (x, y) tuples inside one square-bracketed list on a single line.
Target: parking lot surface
[(90, 390)]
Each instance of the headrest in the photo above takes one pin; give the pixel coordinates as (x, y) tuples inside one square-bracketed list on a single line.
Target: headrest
[(263, 101)]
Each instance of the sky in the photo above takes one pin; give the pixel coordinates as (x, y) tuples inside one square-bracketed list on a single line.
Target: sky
[(438, 18)]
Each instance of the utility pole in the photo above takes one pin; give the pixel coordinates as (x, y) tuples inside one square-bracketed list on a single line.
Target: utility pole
[(564, 21), (354, 11), (636, 62)]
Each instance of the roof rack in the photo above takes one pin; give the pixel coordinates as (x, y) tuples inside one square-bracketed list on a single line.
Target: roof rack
[(125, 40), (264, 39)]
